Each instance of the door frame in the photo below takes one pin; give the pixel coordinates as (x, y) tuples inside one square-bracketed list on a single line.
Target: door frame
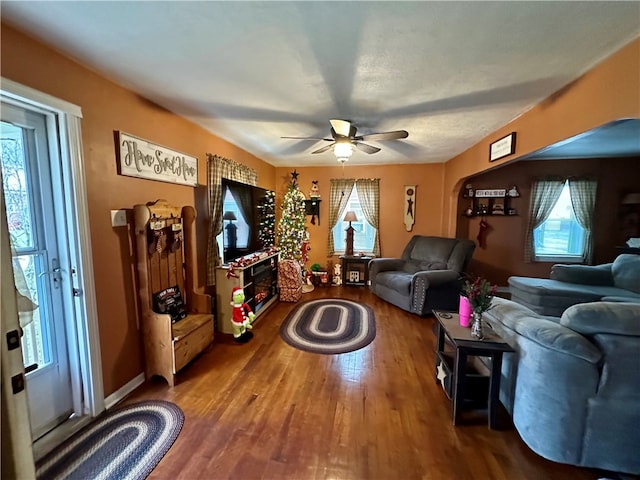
[(86, 368)]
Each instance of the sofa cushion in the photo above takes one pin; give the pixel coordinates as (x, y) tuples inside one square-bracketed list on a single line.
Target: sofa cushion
[(432, 249), (626, 272), (583, 274), (414, 267), (539, 291), (395, 280), (539, 329), (603, 317)]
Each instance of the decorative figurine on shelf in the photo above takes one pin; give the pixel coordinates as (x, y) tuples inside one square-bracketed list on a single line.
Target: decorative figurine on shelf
[(513, 192), (468, 190), (242, 317), (469, 211), (337, 274), (315, 190)]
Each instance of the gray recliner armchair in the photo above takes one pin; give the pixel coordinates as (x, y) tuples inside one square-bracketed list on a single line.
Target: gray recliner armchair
[(426, 277)]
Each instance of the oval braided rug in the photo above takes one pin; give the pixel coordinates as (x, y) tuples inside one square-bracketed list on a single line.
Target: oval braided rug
[(329, 326), (126, 443)]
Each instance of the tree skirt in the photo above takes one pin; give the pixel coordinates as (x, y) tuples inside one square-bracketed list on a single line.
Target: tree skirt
[(329, 326)]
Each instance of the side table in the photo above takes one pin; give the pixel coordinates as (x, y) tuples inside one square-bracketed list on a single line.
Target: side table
[(355, 270), (455, 373)]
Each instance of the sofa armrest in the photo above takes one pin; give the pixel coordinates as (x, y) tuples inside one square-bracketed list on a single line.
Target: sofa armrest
[(583, 274), (435, 278), (603, 317), (378, 265)]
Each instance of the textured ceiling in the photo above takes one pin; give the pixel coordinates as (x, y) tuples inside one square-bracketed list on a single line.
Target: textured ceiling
[(449, 73)]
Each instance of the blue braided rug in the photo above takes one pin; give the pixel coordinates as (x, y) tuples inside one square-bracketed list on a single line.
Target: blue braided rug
[(329, 326), (126, 443)]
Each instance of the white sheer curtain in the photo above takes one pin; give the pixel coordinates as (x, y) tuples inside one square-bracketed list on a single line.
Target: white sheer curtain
[(340, 191), (544, 195)]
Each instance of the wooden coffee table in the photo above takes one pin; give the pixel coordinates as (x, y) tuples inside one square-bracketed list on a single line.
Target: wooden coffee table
[(456, 374)]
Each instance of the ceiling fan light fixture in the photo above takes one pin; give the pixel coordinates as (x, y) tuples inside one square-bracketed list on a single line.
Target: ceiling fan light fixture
[(343, 151)]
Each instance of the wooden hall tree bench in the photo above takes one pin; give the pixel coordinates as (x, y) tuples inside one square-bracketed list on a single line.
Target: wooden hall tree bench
[(166, 256)]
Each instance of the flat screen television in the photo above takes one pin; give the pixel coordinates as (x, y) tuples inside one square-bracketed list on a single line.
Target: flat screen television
[(248, 220)]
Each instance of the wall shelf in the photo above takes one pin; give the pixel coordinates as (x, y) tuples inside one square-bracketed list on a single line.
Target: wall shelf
[(490, 202)]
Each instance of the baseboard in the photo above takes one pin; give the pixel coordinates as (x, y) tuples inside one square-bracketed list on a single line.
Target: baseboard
[(123, 391)]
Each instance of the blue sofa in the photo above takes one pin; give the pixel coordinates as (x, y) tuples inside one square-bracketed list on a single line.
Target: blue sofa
[(573, 384), (572, 284)]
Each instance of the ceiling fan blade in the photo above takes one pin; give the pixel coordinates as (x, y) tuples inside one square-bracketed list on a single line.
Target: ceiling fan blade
[(325, 148), (343, 128), (367, 148), (395, 135), (310, 138)]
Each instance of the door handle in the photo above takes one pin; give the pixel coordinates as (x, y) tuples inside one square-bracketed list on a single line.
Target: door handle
[(53, 271)]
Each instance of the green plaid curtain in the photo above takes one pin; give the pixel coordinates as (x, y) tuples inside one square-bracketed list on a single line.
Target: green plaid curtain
[(583, 199), (218, 168)]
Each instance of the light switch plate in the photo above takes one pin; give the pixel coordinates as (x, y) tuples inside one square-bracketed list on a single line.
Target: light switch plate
[(118, 218)]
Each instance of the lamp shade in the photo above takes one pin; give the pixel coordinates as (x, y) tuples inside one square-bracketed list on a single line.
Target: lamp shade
[(229, 215), (350, 216)]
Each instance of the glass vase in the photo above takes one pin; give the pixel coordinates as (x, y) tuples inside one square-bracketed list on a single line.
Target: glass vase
[(476, 325)]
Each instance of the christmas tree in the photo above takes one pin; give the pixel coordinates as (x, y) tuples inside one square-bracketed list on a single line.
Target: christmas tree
[(292, 230), (267, 220)]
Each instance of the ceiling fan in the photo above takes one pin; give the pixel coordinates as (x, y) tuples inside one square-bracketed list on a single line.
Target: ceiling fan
[(344, 138)]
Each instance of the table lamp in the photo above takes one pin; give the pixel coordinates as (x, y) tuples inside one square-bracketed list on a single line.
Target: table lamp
[(350, 217), (232, 238)]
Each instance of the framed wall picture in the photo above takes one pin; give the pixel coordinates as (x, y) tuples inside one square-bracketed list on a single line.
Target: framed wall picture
[(504, 147)]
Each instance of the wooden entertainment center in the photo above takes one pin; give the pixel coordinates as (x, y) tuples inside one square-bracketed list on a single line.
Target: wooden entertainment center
[(259, 280)]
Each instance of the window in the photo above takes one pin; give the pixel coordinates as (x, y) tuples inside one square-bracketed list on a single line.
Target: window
[(235, 232), (364, 234), (560, 237)]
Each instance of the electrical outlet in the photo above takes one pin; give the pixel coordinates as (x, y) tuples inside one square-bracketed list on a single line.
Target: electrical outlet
[(118, 218)]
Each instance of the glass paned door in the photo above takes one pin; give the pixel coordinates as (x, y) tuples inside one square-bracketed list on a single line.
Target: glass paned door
[(27, 188)]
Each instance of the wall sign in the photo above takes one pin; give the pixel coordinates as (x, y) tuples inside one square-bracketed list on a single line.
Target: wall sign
[(409, 206), (495, 192), (503, 147), (143, 159)]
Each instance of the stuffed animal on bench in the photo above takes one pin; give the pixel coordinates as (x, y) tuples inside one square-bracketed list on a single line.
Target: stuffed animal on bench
[(242, 317)]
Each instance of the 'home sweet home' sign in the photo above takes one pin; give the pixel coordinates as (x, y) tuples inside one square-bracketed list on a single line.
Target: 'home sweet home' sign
[(143, 159)]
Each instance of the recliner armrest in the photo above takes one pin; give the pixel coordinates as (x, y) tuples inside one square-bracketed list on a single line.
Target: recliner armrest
[(378, 265), (434, 278), (583, 274)]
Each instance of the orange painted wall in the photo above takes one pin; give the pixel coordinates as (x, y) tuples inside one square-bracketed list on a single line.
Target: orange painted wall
[(503, 254), (394, 237), (609, 91), (107, 107)]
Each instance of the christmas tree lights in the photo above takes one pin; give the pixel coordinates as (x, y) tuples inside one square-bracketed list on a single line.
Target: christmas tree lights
[(267, 220), (292, 229)]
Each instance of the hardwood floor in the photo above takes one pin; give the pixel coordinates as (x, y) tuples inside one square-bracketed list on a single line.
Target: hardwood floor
[(265, 410)]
